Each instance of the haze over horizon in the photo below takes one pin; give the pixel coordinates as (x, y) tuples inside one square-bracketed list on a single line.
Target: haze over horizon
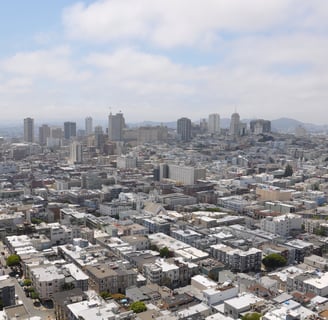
[(161, 60)]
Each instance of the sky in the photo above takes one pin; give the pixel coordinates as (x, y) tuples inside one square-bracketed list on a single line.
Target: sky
[(164, 59)]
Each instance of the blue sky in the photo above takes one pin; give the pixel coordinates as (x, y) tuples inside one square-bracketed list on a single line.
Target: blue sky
[(163, 59)]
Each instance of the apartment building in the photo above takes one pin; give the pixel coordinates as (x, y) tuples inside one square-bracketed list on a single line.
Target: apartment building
[(106, 279), (172, 273), (282, 225), (47, 280), (238, 260)]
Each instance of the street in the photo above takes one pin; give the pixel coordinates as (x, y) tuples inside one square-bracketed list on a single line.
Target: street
[(41, 311)]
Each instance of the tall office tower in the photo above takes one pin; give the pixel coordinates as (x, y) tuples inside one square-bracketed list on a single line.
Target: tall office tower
[(116, 124), (184, 129), (69, 130), (259, 126), (56, 132), (29, 130), (44, 133), (234, 124), (88, 126), (214, 123), (75, 154), (99, 137)]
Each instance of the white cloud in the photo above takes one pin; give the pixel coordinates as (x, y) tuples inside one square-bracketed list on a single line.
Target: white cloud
[(54, 64), (169, 23), (267, 58)]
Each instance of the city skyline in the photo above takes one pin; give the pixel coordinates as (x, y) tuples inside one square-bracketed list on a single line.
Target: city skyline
[(156, 62)]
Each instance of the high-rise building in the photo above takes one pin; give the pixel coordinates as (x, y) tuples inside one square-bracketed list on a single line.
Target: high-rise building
[(88, 126), (56, 132), (29, 130), (234, 124), (259, 126), (184, 129), (69, 130), (116, 124), (44, 133), (75, 155), (152, 134), (99, 137), (214, 123)]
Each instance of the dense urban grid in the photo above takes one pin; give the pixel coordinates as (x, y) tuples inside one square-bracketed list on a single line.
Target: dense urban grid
[(151, 222)]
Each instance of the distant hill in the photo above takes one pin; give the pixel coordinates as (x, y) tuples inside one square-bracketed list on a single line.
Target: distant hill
[(288, 125), (285, 125)]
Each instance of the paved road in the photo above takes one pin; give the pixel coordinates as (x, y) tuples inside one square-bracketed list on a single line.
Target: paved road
[(45, 314), (28, 303)]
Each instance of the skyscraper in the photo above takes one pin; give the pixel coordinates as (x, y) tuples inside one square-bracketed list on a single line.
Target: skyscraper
[(234, 124), (99, 137), (88, 126), (184, 129), (116, 124), (29, 130), (214, 123), (75, 155), (44, 133), (69, 130), (259, 126)]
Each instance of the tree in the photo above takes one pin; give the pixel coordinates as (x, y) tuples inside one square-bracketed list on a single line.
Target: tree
[(34, 295), (164, 252), (13, 260), (252, 316), (288, 171), (274, 260), (154, 247), (320, 232), (105, 295), (138, 306), (27, 282), (36, 221)]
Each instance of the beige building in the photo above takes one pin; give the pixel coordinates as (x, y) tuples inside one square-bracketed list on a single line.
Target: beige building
[(270, 193), (105, 279), (152, 134)]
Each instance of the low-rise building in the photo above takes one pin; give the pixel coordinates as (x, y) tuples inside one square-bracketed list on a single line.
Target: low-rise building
[(316, 262), (105, 279), (282, 225), (215, 295), (235, 306), (47, 280)]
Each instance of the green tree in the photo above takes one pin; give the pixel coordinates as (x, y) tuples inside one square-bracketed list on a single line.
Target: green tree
[(27, 282), (36, 221), (274, 260), (320, 232), (154, 247), (138, 306), (34, 295), (105, 295), (288, 171), (164, 252), (13, 260), (252, 316)]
